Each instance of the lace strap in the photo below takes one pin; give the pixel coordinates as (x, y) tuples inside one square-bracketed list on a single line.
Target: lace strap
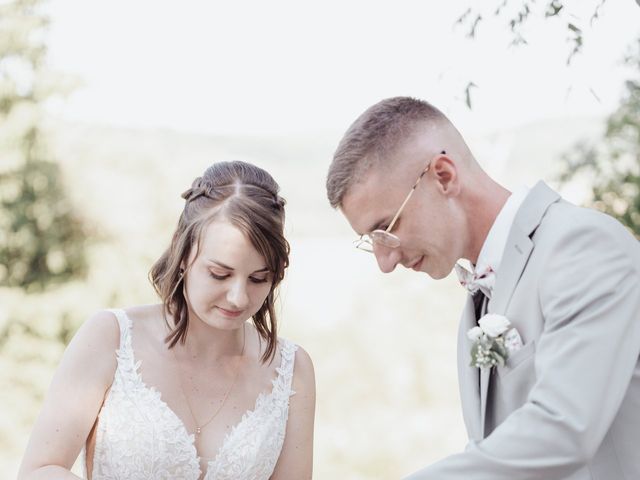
[(127, 366), (282, 384), (124, 322)]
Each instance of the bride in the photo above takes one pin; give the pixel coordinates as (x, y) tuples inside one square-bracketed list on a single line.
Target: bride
[(189, 388)]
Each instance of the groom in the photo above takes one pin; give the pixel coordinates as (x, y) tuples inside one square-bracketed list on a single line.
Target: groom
[(563, 400)]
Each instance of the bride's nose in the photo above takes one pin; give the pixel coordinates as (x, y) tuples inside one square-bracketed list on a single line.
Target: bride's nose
[(237, 294)]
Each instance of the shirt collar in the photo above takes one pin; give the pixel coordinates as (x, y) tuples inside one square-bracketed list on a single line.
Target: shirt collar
[(496, 241)]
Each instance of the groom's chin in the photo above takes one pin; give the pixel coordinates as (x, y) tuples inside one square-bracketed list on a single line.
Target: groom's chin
[(437, 275), (437, 272)]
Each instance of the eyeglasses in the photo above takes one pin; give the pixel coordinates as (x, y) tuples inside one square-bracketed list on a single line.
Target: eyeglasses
[(367, 241)]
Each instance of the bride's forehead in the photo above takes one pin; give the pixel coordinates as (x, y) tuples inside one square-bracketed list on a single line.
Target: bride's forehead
[(223, 239)]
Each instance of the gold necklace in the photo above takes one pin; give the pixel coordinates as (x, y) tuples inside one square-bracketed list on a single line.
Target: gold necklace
[(224, 398)]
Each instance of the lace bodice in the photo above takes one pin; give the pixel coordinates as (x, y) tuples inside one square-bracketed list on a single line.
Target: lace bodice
[(139, 437)]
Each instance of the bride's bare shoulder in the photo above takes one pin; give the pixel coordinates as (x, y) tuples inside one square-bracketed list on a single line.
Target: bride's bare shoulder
[(148, 324), (144, 313), (90, 355), (101, 329), (99, 336)]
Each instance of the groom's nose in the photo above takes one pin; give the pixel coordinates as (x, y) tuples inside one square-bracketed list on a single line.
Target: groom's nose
[(387, 258)]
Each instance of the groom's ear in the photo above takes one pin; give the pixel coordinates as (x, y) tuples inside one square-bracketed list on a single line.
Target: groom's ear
[(445, 172)]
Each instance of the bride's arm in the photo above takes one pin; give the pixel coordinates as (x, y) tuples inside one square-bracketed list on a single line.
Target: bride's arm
[(296, 458), (73, 401)]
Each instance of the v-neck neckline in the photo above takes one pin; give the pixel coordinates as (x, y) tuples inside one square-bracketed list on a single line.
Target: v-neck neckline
[(262, 396)]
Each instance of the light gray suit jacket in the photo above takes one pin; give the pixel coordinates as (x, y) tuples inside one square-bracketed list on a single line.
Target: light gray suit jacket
[(567, 405)]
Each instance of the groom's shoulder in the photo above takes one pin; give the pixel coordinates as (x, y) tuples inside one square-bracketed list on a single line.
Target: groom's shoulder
[(566, 222), (566, 215)]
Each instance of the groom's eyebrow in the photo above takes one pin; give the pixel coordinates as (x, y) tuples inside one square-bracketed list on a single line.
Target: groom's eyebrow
[(377, 225)]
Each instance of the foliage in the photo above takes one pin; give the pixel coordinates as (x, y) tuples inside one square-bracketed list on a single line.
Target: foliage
[(613, 164), (41, 237), (519, 14)]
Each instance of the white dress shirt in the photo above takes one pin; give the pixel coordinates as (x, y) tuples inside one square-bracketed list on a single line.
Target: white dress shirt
[(496, 241)]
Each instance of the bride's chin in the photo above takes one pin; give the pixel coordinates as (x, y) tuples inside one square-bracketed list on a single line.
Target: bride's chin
[(229, 322)]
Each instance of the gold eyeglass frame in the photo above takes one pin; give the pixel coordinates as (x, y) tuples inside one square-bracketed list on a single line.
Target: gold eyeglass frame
[(384, 237)]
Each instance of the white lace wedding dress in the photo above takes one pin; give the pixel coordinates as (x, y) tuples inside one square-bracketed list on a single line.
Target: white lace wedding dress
[(139, 437)]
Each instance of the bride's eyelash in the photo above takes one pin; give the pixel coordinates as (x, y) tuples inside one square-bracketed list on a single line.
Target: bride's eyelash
[(218, 277), (224, 277)]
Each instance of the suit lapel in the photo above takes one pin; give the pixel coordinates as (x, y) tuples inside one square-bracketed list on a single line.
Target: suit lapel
[(514, 260), (519, 245), (468, 377)]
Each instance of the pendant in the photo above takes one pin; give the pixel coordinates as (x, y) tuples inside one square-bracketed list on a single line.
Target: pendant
[(198, 430)]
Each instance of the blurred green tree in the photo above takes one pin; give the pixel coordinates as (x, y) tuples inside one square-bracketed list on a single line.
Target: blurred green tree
[(612, 164), (42, 239)]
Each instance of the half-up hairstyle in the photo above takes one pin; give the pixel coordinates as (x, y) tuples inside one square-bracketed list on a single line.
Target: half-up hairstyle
[(246, 196)]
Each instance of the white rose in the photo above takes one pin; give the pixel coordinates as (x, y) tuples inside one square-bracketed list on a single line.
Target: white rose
[(474, 333), (494, 325)]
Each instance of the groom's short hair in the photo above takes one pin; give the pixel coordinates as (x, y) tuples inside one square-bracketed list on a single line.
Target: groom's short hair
[(376, 133)]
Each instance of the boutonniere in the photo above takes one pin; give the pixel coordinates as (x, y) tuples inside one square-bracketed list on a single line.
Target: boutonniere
[(493, 341)]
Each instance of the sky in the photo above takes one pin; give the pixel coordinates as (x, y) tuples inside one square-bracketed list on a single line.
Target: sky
[(279, 67)]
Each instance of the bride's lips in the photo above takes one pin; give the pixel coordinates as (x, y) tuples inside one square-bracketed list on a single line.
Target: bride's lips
[(230, 313)]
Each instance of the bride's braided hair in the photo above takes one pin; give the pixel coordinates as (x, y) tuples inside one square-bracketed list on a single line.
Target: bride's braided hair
[(204, 188), (247, 196)]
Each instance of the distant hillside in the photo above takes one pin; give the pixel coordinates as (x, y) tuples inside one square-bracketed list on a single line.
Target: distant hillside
[(138, 175), (524, 154)]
